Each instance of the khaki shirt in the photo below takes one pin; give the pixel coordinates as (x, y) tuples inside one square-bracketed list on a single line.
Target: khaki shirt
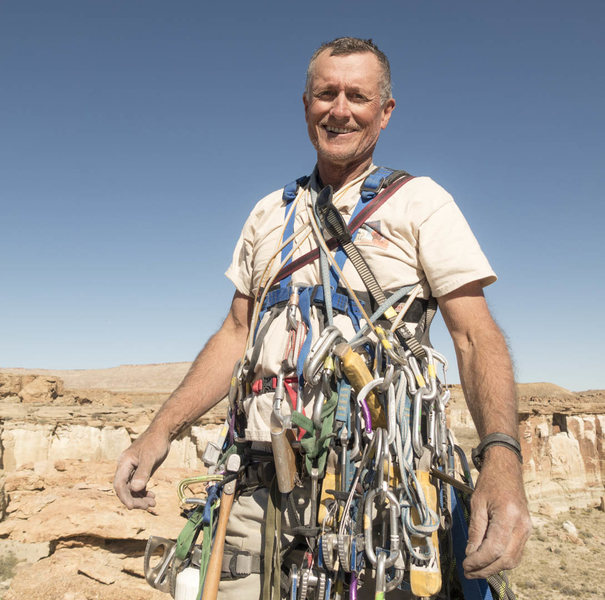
[(418, 235)]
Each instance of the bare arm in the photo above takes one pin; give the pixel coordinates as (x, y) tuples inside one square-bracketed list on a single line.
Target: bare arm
[(204, 385), (500, 522)]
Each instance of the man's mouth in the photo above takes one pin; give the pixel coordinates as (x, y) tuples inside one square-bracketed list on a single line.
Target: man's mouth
[(340, 130)]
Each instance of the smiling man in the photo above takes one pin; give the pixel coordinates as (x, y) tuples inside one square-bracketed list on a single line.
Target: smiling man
[(295, 419)]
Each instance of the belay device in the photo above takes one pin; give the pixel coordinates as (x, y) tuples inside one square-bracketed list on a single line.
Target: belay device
[(389, 487)]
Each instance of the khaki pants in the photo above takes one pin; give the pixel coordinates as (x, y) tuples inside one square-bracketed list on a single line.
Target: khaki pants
[(246, 531)]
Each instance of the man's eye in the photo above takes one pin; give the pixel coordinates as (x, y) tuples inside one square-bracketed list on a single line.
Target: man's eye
[(325, 95)]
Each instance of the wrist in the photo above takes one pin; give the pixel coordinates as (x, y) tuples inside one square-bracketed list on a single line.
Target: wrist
[(162, 427), (495, 445)]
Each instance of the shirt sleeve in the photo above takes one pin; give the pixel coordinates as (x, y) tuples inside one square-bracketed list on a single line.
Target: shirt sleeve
[(449, 252), (240, 269)]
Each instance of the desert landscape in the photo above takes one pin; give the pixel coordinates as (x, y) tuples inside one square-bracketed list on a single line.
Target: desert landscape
[(65, 536)]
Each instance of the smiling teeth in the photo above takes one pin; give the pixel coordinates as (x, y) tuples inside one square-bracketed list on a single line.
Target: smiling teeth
[(337, 130)]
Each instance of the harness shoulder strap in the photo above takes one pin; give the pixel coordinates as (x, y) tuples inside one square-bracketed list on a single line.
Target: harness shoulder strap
[(288, 195), (378, 179), (292, 188), (381, 195)]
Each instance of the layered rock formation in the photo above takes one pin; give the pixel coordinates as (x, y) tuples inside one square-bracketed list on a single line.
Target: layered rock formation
[(563, 442), (74, 540), (59, 517)]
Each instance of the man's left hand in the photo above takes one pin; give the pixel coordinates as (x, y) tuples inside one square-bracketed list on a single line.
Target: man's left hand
[(500, 522)]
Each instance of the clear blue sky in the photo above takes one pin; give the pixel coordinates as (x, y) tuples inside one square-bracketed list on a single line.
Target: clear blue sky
[(136, 135)]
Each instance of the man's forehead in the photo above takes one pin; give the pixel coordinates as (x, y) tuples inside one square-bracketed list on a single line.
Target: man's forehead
[(361, 69)]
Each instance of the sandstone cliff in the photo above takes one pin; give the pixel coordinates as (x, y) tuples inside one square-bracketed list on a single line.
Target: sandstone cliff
[(61, 520)]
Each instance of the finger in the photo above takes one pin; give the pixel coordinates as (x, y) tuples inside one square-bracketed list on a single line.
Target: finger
[(477, 528), (492, 547), (121, 480), (509, 558), (132, 496), (492, 569), (143, 500), (501, 549), (142, 474), (487, 556)]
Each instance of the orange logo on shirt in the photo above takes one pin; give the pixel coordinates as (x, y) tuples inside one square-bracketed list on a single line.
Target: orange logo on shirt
[(369, 235)]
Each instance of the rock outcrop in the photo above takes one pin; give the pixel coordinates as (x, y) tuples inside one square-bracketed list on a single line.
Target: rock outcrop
[(58, 447), (564, 442)]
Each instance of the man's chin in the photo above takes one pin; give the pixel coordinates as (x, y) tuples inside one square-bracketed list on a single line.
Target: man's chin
[(341, 160), (336, 156)]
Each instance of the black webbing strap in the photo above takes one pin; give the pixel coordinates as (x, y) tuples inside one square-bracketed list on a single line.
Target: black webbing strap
[(363, 215)]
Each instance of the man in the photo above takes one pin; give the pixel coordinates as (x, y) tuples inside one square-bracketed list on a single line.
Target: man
[(421, 237)]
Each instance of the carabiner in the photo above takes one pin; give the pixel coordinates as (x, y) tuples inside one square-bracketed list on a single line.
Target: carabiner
[(292, 308), (416, 440), (277, 401), (394, 512), (318, 353), (361, 400)]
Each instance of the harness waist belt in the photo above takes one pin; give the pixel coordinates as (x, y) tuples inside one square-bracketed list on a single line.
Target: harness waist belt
[(342, 303), (268, 384), (239, 563)]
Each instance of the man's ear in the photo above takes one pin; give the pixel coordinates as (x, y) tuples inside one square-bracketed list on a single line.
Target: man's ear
[(387, 110), (305, 103)]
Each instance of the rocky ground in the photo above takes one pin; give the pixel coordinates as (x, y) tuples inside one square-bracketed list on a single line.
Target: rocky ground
[(65, 536), (69, 538), (564, 557)]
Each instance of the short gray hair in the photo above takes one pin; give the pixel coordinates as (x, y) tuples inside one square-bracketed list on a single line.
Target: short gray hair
[(350, 45)]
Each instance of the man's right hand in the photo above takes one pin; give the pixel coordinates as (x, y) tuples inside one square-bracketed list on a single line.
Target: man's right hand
[(135, 467), (206, 382)]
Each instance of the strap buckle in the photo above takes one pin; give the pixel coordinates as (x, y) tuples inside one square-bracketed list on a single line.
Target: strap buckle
[(240, 564)]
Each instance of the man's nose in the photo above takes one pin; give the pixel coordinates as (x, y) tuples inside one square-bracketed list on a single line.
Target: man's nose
[(340, 107)]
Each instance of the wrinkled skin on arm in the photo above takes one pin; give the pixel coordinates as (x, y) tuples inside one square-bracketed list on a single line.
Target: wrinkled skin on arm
[(204, 385), (500, 522)]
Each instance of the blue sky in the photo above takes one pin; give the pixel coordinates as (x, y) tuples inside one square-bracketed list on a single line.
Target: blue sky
[(136, 135)]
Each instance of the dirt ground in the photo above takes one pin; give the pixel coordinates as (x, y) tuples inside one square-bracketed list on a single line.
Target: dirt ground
[(558, 565)]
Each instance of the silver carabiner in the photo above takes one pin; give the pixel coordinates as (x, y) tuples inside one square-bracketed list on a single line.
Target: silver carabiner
[(391, 415), (319, 350), (381, 575), (277, 401), (389, 375), (394, 539), (292, 308), (442, 431), (411, 380), (416, 439)]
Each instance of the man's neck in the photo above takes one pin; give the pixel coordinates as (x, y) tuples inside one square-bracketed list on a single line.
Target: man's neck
[(339, 175)]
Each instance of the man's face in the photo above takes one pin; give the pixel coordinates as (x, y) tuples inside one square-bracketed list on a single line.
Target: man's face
[(344, 113)]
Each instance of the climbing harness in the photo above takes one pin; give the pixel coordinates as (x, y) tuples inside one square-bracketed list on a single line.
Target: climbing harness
[(389, 488)]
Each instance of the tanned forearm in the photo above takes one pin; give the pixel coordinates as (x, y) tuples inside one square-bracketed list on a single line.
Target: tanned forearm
[(484, 363), (500, 522), (207, 380), (204, 385), (486, 376)]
